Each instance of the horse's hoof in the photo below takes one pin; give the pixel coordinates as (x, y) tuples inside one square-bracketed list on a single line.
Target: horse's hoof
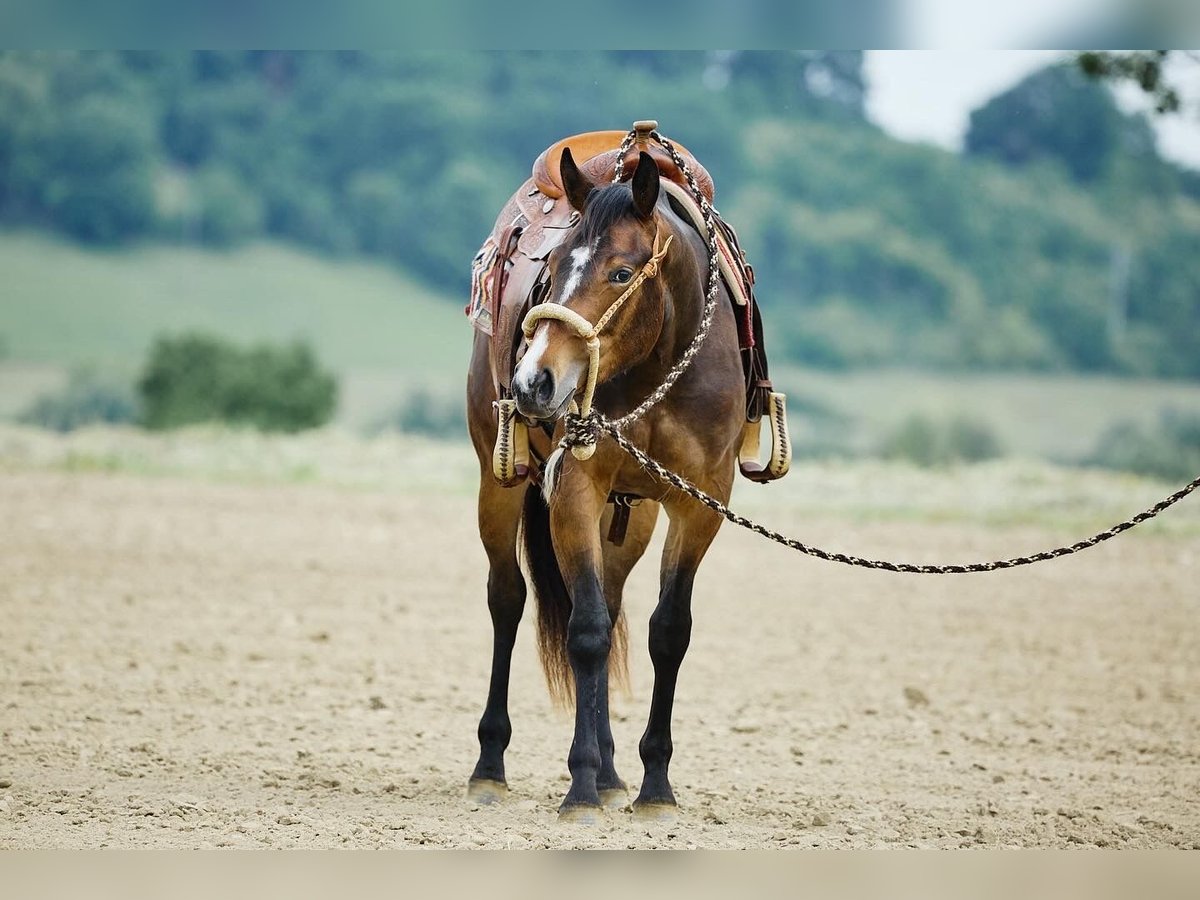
[(486, 792), (662, 813), (580, 814), (614, 798)]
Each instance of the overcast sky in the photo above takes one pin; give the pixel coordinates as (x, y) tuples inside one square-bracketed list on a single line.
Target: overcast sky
[(927, 95)]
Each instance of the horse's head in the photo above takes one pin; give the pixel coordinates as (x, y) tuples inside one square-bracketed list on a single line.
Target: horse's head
[(589, 271)]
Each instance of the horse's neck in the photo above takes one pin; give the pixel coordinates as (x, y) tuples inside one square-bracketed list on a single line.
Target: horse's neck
[(684, 302), (685, 297)]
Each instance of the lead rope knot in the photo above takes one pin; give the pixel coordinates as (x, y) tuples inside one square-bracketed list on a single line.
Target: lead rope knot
[(581, 431)]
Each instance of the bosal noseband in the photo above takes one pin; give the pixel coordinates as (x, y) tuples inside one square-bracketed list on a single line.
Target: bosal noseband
[(591, 333)]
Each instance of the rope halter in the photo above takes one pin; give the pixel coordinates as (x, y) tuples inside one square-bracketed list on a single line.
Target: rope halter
[(582, 429)]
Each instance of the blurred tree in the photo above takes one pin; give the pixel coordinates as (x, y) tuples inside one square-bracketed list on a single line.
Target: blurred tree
[(96, 173), (195, 378), (1060, 115), (867, 250), (90, 397), (1143, 67), (229, 210)]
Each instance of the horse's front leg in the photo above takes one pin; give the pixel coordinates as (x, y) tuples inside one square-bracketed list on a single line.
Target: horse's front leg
[(574, 525), (499, 517), (692, 530), (618, 561)]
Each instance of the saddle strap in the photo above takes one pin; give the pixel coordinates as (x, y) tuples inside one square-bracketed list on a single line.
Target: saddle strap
[(622, 503)]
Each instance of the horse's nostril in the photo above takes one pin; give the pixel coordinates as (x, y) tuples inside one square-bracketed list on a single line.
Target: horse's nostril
[(543, 387)]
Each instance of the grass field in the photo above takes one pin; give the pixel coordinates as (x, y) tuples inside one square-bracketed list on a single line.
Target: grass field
[(1053, 416), (63, 305), (67, 304)]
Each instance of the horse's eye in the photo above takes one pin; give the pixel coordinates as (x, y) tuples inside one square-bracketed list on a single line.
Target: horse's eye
[(621, 276)]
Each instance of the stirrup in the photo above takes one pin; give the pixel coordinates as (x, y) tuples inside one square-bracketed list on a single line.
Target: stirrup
[(781, 445), (510, 458)]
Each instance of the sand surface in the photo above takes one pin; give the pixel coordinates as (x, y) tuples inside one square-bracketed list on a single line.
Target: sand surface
[(189, 664)]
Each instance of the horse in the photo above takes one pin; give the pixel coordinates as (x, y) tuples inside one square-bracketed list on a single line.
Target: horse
[(577, 576)]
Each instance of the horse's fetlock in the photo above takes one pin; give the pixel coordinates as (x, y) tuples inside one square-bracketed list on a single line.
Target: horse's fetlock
[(495, 730), (583, 758), (655, 751)]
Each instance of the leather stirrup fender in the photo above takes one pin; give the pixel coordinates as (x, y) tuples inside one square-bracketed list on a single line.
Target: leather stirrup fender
[(510, 458), (781, 443)]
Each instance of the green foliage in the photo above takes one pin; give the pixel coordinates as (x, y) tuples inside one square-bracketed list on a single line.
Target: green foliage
[(352, 150), (1062, 241), (1143, 67), (196, 378), (228, 210), (931, 443), (96, 180), (1170, 452), (868, 251), (88, 398), (1057, 113)]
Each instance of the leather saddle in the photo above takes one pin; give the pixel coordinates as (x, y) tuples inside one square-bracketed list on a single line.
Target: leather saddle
[(598, 150), (509, 275)]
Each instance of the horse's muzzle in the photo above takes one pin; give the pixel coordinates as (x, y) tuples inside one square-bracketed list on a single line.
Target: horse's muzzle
[(538, 398)]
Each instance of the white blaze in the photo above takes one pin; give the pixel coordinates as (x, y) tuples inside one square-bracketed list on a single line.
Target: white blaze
[(579, 260), (531, 362)]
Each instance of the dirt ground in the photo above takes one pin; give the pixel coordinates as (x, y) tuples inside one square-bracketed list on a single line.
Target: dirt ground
[(190, 664)]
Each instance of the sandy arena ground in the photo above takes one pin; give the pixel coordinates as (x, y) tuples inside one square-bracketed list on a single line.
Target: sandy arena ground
[(190, 664)]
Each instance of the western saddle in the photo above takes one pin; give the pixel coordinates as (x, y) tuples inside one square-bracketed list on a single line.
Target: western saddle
[(509, 275)]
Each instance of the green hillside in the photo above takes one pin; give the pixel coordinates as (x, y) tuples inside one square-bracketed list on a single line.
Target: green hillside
[(67, 303), (1059, 241)]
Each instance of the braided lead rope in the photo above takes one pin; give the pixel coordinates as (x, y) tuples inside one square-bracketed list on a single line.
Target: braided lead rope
[(682, 484), (714, 279), (585, 430)]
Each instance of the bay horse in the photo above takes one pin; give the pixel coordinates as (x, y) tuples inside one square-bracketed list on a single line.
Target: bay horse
[(577, 576)]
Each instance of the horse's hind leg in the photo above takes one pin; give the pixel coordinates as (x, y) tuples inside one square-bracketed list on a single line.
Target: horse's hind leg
[(499, 517), (692, 530), (618, 561)]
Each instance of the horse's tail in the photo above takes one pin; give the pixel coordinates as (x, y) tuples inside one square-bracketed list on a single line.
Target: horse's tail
[(554, 606)]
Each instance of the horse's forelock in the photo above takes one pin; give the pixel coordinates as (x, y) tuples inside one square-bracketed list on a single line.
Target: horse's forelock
[(607, 206)]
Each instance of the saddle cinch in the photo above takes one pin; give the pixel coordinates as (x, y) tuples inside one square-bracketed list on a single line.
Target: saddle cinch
[(510, 275)]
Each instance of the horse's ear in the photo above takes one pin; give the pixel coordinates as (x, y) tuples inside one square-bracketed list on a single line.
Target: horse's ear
[(645, 185), (575, 183)]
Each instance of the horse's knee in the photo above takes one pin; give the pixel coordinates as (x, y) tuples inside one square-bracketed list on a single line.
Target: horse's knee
[(589, 628), (506, 594), (589, 636)]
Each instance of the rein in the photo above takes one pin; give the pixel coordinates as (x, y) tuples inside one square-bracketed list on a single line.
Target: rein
[(584, 425), (591, 333)]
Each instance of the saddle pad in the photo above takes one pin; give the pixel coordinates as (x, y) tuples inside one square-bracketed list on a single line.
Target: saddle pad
[(480, 308)]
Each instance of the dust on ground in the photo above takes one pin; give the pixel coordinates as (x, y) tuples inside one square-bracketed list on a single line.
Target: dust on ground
[(191, 664)]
